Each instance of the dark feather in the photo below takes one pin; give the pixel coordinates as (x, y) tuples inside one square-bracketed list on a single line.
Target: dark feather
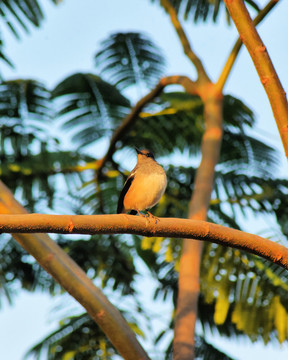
[(123, 193)]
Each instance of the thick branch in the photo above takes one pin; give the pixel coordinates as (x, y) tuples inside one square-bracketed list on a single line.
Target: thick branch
[(238, 44), (188, 84), (263, 65), (122, 223), (73, 279), (202, 74), (190, 262)]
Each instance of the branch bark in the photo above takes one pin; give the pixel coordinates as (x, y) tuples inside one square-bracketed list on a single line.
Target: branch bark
[(128, 224), (238, 44), (72, 278), (201, 72), (263, 65), (189, 274)]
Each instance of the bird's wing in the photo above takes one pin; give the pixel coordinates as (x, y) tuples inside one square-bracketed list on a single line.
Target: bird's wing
[(124, 191)]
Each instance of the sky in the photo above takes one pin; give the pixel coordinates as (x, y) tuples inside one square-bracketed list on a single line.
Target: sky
[(66, 44)]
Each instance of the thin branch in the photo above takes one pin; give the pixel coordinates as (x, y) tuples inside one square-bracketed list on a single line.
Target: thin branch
[(74, 280), (131, 118), (128, 224), (201, 72), (238, 44), (263, 65)]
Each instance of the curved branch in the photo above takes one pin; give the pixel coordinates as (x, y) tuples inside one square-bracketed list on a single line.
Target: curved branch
[(128, 224), (188, 84), (74, 280), (201, 72), (263, 65), (238, 44)]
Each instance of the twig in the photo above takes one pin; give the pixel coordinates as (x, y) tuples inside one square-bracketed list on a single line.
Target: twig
[(263, 65), (128, 224), (238, 44)]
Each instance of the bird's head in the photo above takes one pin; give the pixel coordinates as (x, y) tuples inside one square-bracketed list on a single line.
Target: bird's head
[(144, 154)]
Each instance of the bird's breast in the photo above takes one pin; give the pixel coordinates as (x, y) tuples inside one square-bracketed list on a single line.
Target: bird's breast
[(145, 191)]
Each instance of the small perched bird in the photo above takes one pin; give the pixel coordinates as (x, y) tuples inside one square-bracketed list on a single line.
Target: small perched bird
[(144, 186)]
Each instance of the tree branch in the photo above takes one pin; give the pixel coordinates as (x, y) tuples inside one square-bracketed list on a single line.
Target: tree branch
[(201, 72), (128, 224), (238, 44), (190, 262), (74, 280), (263, 65)]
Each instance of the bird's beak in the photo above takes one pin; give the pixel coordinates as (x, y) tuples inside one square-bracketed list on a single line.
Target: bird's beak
[(138, 151)]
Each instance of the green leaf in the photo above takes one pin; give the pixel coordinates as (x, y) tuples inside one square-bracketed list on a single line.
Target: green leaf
[(77, 337), (89, 107), (109, 258), (25, 119), (15, 13), (38, 176), (252, 288), (130, 59)]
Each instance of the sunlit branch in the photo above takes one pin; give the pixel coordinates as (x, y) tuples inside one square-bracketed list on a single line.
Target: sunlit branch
[(128, 224), (74, 280), (238, 44), (202, 74), (263, 65), (190, 262)]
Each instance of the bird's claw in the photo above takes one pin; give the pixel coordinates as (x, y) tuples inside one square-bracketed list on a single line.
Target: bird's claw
[(151, 216)]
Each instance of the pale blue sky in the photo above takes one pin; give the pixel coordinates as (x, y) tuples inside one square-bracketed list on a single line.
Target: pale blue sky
[(66, 44)]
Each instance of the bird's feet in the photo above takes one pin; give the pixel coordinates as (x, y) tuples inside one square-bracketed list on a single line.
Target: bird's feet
[(151, 216)]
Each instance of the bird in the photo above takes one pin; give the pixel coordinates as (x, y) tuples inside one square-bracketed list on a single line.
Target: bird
[(144, 186)]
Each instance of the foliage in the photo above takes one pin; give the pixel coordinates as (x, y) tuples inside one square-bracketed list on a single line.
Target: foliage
[(17, 14), (130, 59), (236, 288), (78, 337), (89, 105)]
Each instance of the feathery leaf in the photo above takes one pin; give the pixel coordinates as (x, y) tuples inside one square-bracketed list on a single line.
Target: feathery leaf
[(130, 59)]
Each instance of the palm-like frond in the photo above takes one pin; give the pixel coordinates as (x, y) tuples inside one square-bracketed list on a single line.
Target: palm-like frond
[(203, 9), (108, 257), (241, 294), (25, 116), (89, 106), (77, 337), (3, 56), (20, 12), (206, 351), (130, 59), (38, 175), (261, 194), (246, 294), (16, 264)]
